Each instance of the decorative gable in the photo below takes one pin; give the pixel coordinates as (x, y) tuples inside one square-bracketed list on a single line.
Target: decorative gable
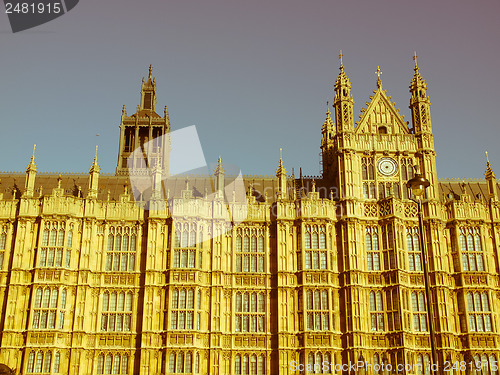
[(381, 116)]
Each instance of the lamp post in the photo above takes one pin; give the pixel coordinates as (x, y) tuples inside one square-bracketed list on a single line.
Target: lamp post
[(418, 184)]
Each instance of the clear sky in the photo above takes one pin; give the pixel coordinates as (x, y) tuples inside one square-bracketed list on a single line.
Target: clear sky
[(253, 76)]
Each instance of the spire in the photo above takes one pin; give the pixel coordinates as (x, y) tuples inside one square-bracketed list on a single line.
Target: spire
[(94, 168), (94, 178), (219, 168), (219, 178), (343, 101), (32, 165), (417, 84), (148, 92), (29, 186), (490, 178), (281, 169), (281, 175), (342, 78), (328, 125), (379, 81)]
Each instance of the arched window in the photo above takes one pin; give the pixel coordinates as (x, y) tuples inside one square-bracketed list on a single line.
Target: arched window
[(372, 249), (237, 365), (108, 365), (171, 366), (189, 363)]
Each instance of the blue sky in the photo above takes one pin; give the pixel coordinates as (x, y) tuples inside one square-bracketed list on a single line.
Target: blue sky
[(252, 76)]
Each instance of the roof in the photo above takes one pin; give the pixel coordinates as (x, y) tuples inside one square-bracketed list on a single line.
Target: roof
[(77, 184)]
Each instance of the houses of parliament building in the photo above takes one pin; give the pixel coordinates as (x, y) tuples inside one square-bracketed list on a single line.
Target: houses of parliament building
[(295, 275)]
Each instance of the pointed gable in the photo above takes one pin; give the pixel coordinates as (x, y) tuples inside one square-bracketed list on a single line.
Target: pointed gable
[(381, 116)]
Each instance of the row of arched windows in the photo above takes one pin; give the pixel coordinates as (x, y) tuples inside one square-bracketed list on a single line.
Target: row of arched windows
[(116, 311), (315, 236), (250, 309), (41, 362), (52, 251), (112, 364), (182, 315), (319, 363), (249, 364), (472, 251), (478, 308), (250, 250), (46, 306), (249, 240), (317, 310), (121, 249), (182, 363), (187, 235)]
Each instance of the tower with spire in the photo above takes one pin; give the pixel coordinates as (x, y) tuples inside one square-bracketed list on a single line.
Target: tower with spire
[(328, 132), (422, 128), (144, 136), (29, 187), (343, 102), (94, 178)]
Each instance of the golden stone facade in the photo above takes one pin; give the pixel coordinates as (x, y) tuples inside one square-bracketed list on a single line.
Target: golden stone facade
[(95, 280)]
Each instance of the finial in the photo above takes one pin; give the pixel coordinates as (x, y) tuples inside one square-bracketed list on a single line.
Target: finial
[(124, 111), (32, 165), (379, 81), (125, 189), (415, 59), (340, 57), (487, 157), (327, 108), (281, 154), (219, 168), (59, 180), (150, 70), (313, 186), (95, 156)]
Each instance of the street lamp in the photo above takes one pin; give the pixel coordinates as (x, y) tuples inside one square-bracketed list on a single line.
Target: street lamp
[(418, 184)]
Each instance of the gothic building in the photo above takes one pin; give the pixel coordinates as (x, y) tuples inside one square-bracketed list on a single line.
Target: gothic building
[(185, 277)]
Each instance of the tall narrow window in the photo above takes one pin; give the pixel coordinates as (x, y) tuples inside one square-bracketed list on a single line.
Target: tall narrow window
[(121, 249), (376, 311), (479, 312), (471, 249), (315, 247), (414, 253), (182, 315), (116, 311), (368, 176), (419, 311), (3, 241), (372, 249), (317, 310), (250, 312), (250, 257)]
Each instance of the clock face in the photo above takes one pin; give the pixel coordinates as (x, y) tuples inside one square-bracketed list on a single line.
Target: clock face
[(387, 166)]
